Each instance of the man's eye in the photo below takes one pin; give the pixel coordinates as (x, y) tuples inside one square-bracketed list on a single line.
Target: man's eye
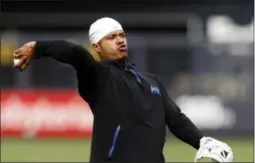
[(111, 37), (123, 35)]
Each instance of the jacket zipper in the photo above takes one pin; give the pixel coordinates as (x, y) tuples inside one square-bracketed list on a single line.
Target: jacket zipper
[(116, 134)]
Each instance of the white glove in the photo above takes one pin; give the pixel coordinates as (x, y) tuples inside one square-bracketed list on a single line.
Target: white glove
[(214, 149)]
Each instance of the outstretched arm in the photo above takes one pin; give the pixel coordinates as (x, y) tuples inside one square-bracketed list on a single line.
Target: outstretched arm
[(178, 123), (87, 68), (63, 51), (182, 127)]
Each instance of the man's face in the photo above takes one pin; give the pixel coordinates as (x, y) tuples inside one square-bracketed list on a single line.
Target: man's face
[(113, 46)]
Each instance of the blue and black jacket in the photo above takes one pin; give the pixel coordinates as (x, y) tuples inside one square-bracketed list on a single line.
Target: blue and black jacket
[(131, 110)]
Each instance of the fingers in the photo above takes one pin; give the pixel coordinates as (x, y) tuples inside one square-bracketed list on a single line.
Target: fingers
[(19, 58), (23, 55), (24, 65), (17, 53)]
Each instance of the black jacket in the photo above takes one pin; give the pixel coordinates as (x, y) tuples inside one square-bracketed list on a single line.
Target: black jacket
[(131, 110)]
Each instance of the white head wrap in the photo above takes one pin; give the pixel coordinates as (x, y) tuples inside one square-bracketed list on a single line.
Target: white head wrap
[(101, 27)]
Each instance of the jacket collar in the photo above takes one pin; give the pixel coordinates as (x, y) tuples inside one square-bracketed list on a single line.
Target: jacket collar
[(123, 63)]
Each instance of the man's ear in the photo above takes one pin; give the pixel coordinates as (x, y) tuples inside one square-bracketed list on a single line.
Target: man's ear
[(96, 47)]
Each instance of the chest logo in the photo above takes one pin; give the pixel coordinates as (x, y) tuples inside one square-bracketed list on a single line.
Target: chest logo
[(155, 90)]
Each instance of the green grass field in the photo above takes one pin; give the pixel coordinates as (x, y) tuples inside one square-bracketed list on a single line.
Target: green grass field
[(55, 150)]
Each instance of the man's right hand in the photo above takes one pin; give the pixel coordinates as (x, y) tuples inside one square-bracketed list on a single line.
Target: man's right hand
[(24, 55)]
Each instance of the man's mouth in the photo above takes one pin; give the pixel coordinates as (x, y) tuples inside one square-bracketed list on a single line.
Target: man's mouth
[(123, 48)]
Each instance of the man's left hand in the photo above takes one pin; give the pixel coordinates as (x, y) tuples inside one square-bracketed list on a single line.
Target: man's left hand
[(216, 150)]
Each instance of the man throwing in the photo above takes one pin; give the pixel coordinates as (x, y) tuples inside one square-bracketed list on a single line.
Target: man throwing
[(131, 110)]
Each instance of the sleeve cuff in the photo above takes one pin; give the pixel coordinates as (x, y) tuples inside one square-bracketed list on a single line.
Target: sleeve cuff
[(40, 48)]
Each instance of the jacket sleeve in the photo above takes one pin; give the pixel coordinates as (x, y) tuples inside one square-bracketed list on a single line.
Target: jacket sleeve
[(87, 69), (65, 52), (178, 123)]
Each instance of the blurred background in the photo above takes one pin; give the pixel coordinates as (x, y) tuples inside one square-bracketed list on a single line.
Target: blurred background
[(202, 51)]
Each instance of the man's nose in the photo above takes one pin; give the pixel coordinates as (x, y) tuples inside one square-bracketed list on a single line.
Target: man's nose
[(120, 40)]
